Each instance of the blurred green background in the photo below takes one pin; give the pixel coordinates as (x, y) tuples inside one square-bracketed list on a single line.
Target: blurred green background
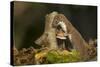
[(29, 18)]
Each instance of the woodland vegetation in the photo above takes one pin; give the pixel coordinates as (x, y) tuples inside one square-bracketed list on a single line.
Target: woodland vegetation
[(49, 53)]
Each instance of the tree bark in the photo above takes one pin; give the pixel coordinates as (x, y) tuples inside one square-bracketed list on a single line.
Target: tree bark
[(77, 40), (49, 37)]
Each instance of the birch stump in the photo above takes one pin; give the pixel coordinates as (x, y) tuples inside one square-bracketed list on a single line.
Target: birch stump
[(76, 39), (49, 37)]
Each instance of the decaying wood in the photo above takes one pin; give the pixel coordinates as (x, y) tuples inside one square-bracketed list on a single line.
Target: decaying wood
[(77, 40), (49, 38)]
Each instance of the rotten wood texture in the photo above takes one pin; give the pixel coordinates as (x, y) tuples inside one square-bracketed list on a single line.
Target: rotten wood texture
[(49, 38)]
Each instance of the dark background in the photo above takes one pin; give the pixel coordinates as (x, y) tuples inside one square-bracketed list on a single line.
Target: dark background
[(28, 20)]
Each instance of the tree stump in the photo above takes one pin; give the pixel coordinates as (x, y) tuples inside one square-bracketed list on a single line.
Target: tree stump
[(49, 37)]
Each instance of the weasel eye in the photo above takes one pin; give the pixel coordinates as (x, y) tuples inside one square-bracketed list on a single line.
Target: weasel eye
[(56, 21)]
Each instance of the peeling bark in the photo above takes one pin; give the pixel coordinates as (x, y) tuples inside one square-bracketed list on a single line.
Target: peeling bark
[(49, 37), (77, 40)]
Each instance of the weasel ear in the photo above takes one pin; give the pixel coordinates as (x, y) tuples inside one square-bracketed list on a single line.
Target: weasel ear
[(54, 23)]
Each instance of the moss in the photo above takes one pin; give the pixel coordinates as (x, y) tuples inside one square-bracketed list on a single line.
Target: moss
[(63, 56), (45, 56)]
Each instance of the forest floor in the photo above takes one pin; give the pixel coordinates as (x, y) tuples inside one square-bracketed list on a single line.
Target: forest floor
[(32, 56)]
